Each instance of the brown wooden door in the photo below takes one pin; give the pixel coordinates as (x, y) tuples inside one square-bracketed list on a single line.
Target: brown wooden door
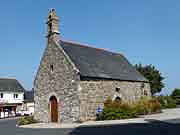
[(54, 109)]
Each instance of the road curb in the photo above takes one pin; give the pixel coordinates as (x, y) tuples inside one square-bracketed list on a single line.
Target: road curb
[(164, 116)]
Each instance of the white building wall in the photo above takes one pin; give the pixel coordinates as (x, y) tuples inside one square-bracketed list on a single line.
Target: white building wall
[(29, 107), (8, 97)]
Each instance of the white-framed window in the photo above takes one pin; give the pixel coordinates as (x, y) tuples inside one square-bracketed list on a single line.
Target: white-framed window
[(1, 95), (15, 95)]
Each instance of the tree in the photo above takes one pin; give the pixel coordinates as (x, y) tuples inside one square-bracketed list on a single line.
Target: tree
[(153, 75), (176, 95)]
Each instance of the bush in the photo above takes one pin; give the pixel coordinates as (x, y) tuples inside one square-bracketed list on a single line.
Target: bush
[(176, 96), (167, 102), (118, 110), (24, 120), (147, 106)]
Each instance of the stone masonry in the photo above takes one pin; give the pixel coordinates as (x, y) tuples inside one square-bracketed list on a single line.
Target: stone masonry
[(77, 97), (94, 93), (62, 82), (78, 100)]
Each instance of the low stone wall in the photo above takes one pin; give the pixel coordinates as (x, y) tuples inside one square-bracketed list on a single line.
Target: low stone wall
[(94, 93)]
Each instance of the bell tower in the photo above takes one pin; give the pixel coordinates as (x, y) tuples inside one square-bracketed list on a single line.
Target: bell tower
[(53, 25)]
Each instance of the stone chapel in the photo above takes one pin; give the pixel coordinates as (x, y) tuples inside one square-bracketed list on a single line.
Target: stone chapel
[(74, 79)]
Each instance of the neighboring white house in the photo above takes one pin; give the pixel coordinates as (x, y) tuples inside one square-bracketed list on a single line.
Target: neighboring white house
[(28, 103), (11, 96)]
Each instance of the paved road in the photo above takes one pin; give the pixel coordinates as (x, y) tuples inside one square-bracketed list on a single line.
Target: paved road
[(8, 127), (171, 127)]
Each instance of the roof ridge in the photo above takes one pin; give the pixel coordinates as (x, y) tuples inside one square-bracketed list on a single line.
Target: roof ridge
[(9, 78), (89, 46)]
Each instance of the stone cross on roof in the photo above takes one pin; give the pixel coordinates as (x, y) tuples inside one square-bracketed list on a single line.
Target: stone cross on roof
[(53, 23)]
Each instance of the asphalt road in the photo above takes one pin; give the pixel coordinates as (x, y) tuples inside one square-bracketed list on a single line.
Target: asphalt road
[(171, 127)]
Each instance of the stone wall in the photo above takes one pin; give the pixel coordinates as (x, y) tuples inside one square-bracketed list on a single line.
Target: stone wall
[(94, 93), (58, 77), (77, 100)]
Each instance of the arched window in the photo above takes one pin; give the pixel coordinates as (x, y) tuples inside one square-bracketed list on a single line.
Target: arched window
[(117, 99)]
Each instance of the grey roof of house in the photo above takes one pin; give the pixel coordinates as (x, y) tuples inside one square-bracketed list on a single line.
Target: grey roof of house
[(99, 63), (29, 96), (10, 85)]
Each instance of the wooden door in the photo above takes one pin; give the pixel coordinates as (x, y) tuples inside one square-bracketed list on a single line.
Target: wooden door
[(54, 109)]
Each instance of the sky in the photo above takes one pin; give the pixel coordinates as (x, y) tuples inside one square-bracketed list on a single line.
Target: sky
[(145, 31)]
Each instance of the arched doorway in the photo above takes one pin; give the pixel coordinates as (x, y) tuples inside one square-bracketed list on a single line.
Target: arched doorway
[(53, 109)]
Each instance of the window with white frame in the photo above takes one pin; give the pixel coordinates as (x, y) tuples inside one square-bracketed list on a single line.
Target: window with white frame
[(1, 95), (15, 95)]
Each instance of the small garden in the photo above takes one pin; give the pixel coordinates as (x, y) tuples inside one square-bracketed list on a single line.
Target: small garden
[(24, 120), (116, 110)]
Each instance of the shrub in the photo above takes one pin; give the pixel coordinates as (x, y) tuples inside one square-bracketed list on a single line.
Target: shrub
[(155, 106), (167, 102), (147, 106), (176, 96), (118, 110), (24, 120)]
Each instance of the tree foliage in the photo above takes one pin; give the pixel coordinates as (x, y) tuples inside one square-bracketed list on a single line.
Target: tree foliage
[(176, 95), (166, 102), (153, 75)]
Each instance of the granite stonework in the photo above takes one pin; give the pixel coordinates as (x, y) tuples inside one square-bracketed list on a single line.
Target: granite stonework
[(94, 93), (62, 82), (77, 97), (77, 100)]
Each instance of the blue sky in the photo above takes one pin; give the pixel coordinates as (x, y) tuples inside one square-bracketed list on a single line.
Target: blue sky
[(145, 31)]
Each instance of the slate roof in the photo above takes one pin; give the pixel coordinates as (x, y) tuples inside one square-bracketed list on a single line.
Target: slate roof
[(99, 63), (29, 96), (10, 85)]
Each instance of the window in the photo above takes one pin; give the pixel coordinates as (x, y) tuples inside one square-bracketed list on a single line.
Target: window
[(117, 89), (15, 95), (52, 68), (145, 93), (117, 100), (1, 95)]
